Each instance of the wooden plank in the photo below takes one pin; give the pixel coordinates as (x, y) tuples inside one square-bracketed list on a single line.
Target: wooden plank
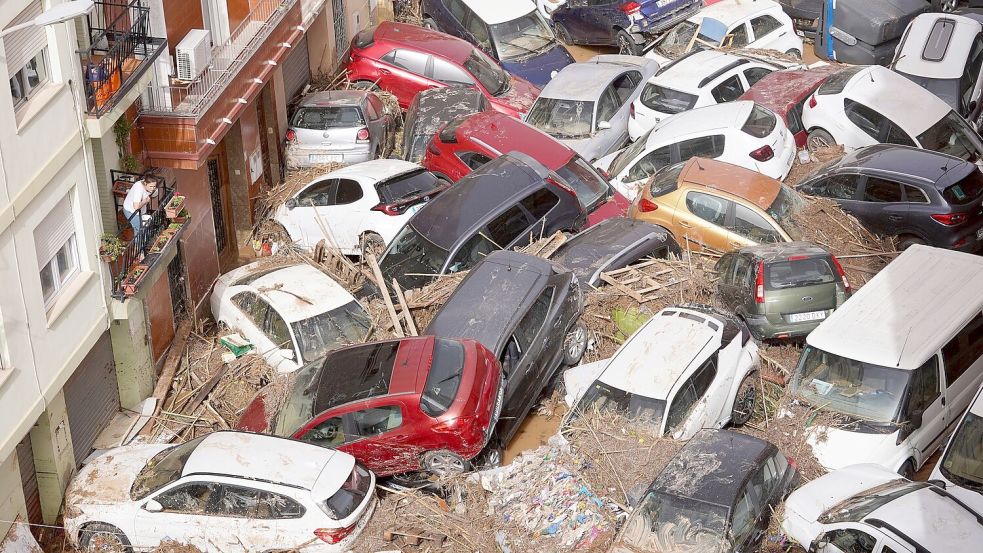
[(410, 323), (204, 391), (631, 293), (171, 364), (384, 291)]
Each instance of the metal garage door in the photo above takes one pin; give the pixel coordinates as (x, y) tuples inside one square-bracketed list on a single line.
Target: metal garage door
[(29, 481), (296, 70), (92, 397)]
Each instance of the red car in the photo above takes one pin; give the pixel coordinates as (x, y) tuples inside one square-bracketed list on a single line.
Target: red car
[(784, 92), (469, 142), (406, 59), (397, 405)]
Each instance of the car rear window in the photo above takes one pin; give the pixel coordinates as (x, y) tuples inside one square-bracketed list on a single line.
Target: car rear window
[(406, 186), (760, 123), (666, 180), (444, 377), (322, 118), (798, 272), (586, 183), (966, 190), (837, 82), (666, 100), (344, 502)]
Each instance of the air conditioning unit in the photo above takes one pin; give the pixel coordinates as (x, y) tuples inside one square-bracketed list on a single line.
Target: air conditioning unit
[(193, 54)]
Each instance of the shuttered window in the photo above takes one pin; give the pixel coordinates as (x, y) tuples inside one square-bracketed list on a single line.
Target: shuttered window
[(26, 52), (54, 240)]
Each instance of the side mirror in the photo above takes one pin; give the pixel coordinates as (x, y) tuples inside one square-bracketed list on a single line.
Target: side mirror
[(287, 353), (153, 506), (604, 125), (290, 203)]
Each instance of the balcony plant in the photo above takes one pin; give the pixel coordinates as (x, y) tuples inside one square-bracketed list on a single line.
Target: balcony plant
[(133, 278), (181, 217), (110, 247), (174, 207)]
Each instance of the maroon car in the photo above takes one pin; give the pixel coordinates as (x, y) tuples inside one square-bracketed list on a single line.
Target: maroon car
[(406, 59), (784, 92), (397, 406)]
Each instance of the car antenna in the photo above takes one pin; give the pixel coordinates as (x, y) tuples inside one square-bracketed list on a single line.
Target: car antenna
[(903, 344)]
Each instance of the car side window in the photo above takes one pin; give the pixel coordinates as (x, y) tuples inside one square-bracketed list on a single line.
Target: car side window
[(849, 540), (534, 319), (414, 62), (763, 25), (728, 91), (377, 420), (479, 31), (508, 226), (963, 350), (240, 501), (540, 202), (704, 146), (974, 64), (737, 38), (319, 194), (244, 301), (472, 252), (868, 120), (457, 9), (725, 267), (349, 191), (914, 195), (709, 208), (376, 104), (276, 330), (740, 268), (329, 433), (704, 376), (837, 187), (897, 136), (882, 191), (625, 84), (473, 160), (257, 312), (448, 73), (649, 164), (371, 111), (608, 105), (691, 392), (741, 519), (193, 498), (755, 74), (753, 226), (924, 386)]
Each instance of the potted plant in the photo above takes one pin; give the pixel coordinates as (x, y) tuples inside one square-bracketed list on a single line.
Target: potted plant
[(110, 247), (181, 217), (174, 207), (133, 278), (162, 240)]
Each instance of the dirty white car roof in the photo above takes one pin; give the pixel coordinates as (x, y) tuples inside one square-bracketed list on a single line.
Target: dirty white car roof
[(687, 73), (500, 11), (699, 121), (935, 55), (907, 311), (729, 12), (584, 81), (297, 292), (893, 96), (372, 171)]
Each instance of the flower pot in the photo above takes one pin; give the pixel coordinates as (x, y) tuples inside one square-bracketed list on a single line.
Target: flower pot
[(133, 279), (161, 242), (174, 207), (107, 258)]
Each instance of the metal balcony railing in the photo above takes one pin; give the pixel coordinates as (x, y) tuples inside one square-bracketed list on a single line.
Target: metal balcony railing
[(120, 51)]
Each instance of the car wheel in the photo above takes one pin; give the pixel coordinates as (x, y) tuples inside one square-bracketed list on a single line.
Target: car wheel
[(907, 470), (429, 23), (575, 344), (626, 44), (794, 52), (743, 408), (491, 457), (443, 463), (371, 243), (908, 241), (102, 537), (819, 139), (563, 34), (365, 85)]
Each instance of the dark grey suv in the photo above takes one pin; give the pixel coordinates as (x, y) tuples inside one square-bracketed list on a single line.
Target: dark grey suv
[(920, 196)]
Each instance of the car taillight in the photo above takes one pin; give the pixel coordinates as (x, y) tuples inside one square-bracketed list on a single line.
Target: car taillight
[(454, 425), (631, 110), (759, 284), (388, 209), (951, 219), (362, 136), (792, 462), (763, 153), (646, 205), (333, 535), (812, 101), (841, 272), (291, 135), (631, 8)]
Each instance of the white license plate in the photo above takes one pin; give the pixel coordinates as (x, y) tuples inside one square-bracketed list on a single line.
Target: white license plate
[(803, 317), (326, 158), (979, 234)]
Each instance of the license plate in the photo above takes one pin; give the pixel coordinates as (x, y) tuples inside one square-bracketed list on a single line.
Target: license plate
[(803, 317), (979, 234), (325, 158)]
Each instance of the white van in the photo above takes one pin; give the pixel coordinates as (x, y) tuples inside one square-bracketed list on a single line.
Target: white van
[(961, 466), (899, 361)]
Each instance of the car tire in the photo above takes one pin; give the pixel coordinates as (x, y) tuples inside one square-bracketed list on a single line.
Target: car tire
[(794, 52), (365, 85), (907, 470), (101, 537), (819, 139), (906, 241), (747, 395), (429, 23), (490, 457), (626, 44), (563, 34), (443, 464), (575, 344), (371, 243)]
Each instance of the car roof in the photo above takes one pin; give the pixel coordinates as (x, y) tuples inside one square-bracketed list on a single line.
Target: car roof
[(262, 457), (593, 248), (728, 115), (778, 89), (907, 311), (937, 46), (892, 95), (732, 11), (297, 292), (506, 134), (689, 71), (659, 353), (421, 39), (749, 185), (500, 11), (713, 466), (433, 107), (497, 289), (931, 519), (334, 98), (369, 370), (781, 251), (371, 171), (936, 167), (583, 81)]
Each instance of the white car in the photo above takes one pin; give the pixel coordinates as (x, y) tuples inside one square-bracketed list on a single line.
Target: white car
[(757, 24), (358, 208), (699, 79), (226, 491), (864, 105), (870, 509), (687, 368), (961, 465), (742, 133), (292, 314)]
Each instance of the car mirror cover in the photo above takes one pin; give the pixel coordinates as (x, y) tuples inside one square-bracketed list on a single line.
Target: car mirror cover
[(153, 506)]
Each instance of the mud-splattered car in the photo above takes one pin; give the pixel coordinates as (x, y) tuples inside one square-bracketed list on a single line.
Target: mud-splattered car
[(398, 406), (431, 109), (716, 495), (226, 491)]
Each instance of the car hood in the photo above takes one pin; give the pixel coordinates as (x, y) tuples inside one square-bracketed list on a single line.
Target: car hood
[(615, 206), (520, 96), (107, 479), (588, 148), (254, 417), (538, 69), (577, 379), (835, 448)]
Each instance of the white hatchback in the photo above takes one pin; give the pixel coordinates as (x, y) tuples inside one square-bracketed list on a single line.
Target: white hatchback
[(226, 491), (699, 79), (359, 208), (742, 133), (687, 368)]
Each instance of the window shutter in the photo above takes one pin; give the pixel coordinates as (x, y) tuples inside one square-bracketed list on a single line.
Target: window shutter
[(22, 45), (56, 228)]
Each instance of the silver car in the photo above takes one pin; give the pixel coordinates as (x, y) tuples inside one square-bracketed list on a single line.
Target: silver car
[(586, 105), (342, 126)]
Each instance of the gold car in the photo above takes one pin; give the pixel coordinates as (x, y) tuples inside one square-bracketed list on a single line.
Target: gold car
[(715, 205)]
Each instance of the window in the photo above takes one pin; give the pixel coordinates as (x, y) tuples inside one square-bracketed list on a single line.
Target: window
[(540, 202), (850, 540), (443, 378), (914, 195), (649, 164), (868, 120), (479, 30), (737, 37), (755, 74), (349, 191), (457, 9), (473, 160), (924, 386), (414, 62), (728, 91), (880, 190), (897, 136), (741, 519), (57, 252), (763, 25), (534, 319), (690, 393), (330, 433), (375, 104), (741, 267), (257, 312), (963, 350), (472, 252), (244, 301), (608, 105), (189, 498), (753, 226), (704, 146), (321, 193), (448, 73), (277, 330), (508, 226), (377, 420), (29, 78), (837, 82), (707, 207), (760, 122), (625, 85), (26, 55), (837, 187), (238, 501), (370, 109), (667, 100), (974, 64)]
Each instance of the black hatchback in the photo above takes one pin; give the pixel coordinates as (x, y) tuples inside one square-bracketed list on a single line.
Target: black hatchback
[(920, 196)]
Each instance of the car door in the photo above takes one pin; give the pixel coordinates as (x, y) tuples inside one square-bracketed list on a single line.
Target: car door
[(962, 359), (867, 120), (302, 219), (383, 438), (626, 89), (345, 214), (703, 222), (920, 211), (882, 206), (405, 74), (593, 20), (753, 226), (765, 31), (252, 512), (525, 362), (843, 188), (186, 515), (711, 384), (608, 140), (925, 398)]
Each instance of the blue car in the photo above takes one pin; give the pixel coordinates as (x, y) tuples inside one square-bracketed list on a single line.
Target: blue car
[(625, 24), (511, 31)]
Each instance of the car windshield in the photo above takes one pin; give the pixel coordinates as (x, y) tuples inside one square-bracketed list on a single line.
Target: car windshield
[(406, 186), (489, 74), (585, 181), (342, 326), (665, 522), (667, 100), (351, 494), (951, 135), (962, 464), (601, 397), (965, 191), (563, 119), (522, 37), (322, 118), (856, 508), (623, 159), (299, 405), (797, 271), (666, 180), (162, 469), (783, 209), (444, 378), (867, 392), (676, 42), (412, 259)]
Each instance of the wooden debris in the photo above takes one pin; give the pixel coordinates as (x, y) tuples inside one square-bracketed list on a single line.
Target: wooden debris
[(171, 364), (384, 292)]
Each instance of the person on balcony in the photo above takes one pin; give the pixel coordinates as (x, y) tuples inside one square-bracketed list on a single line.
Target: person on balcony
[(135, 204)]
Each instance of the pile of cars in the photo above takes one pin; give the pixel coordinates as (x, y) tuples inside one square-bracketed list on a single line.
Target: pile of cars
[(677, 143)]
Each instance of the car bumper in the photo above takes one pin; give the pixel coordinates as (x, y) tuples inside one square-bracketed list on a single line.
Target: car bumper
[(764, 329), (296, 158)]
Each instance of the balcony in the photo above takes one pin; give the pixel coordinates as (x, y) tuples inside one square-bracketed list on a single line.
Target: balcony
[(119, 54), (158, 236)]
